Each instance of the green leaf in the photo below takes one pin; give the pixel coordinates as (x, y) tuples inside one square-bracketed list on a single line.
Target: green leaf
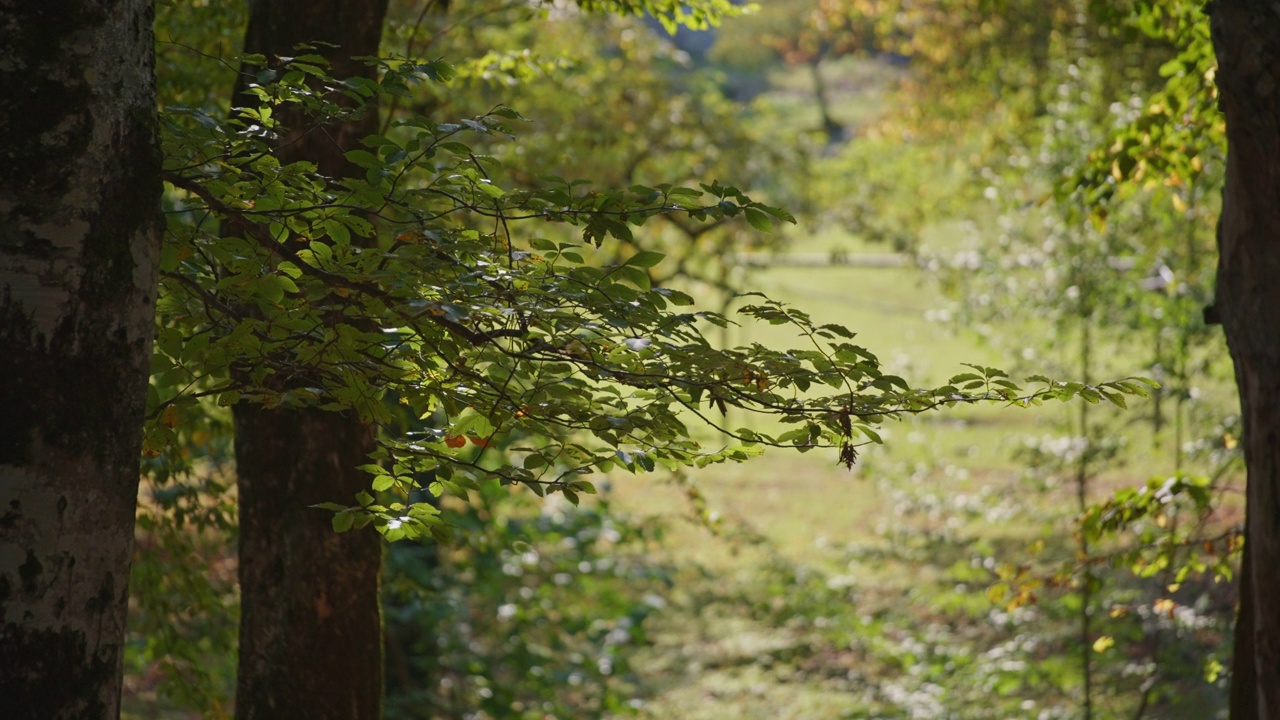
[(342, 521), (1116, 399), (490, 189), (270, 290), (169, 340), (645, 259), (636, 276), (675, 296), (471, 422), (758, 220), (338, 232), (364, 159)]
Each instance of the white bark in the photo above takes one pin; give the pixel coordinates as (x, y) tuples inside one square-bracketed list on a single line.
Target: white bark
[(79, 241)]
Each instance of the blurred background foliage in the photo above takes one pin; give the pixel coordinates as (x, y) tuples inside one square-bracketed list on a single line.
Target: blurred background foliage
[(1033, 184)]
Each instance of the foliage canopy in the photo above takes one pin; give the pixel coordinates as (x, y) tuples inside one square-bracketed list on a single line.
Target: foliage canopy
[(426, 283)]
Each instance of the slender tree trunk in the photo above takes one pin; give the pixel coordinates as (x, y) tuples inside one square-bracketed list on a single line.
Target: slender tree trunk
[(1246, 37), (833, 129), (1083, 467), (79, 238), (310, 632)]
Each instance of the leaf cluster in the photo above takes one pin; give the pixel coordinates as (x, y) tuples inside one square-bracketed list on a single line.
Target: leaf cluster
[(424, 280)]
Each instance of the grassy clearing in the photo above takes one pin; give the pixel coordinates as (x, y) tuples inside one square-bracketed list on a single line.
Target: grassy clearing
[(832, 594)]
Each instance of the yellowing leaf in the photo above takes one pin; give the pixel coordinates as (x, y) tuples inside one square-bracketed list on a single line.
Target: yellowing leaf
[(1212, 670), (996, 592)]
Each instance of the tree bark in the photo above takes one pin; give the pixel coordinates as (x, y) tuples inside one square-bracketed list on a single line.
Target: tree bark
[(310, 632), (1246, 38), (310, 627), (79, 241)]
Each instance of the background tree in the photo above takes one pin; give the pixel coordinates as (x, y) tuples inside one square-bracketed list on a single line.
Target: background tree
[(580, 80), (79, 191), (1247, 44), (310, 624)]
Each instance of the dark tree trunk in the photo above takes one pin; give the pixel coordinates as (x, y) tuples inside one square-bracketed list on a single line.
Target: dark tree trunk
[(834, 131), (310, 632), (1246, 37), (79, 237), (310, 628)]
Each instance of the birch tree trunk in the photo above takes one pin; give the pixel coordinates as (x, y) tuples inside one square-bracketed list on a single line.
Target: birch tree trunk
[(79, 239)]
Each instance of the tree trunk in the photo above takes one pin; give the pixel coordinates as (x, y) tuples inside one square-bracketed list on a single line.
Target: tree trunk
[(310, 627), (833, 130), (79, 239), (1246, 37), (310, 632)]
